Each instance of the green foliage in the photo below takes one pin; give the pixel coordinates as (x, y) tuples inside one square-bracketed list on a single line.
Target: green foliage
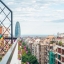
[(29, 53), (24, 58), (23, 63), (51, 42), (28, 57), (22, 47), (21, 41), (27, 48), (23, 44), (0, 58), (32, 60), (60, 43), (19, 48)]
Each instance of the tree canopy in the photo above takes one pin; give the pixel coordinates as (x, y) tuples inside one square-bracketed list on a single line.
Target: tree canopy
[(28, 57)]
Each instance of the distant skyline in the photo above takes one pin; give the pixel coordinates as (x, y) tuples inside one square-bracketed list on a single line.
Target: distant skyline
[(38, 17)]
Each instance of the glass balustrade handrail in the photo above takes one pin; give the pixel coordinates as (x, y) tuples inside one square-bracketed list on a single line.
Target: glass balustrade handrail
[(6, 58)]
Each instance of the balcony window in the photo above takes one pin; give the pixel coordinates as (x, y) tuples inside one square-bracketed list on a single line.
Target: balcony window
[(59, 57), (51, 59), (59, 63), (56, 55), (51, 47), (59, 50), (62, 59), (62, 51)]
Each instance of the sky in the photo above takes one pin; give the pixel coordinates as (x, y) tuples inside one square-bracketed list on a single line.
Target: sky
[(38, 17)]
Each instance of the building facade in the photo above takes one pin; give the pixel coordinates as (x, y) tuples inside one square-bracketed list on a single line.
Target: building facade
[(17, 30)]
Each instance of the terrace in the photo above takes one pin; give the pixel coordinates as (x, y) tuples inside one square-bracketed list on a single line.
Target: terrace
[(8, 44), (11, 54)]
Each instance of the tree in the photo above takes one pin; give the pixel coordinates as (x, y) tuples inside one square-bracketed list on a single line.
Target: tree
[(28, 57), (32, 60), (29, 53), (60, 43), (23, 44), (24, 58)]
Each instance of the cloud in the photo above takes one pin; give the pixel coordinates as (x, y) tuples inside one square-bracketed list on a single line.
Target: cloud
[(38, 15), (28, 9), (51, 1), (10, 3), (33, 1), (58, 21), (18, 9), (45, 5), (61, 11), (33, 14)]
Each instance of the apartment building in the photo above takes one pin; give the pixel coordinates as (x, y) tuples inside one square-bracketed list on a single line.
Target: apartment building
[(60, 49), (40, 48), (44, 48), (29, 41), (52, 50), (60, 54), (60, 34), (43, 53), (35, 48)]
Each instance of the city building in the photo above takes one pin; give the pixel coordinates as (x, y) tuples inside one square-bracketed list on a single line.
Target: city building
[(35, 48), (60, 54), (40, 47), (60, 49), (44, 49), (17, 30), (60, 34), (43, 53), (52, 49), (51, 57)]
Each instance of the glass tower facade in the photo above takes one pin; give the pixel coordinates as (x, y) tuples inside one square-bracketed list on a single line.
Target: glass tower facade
[(17, 30)]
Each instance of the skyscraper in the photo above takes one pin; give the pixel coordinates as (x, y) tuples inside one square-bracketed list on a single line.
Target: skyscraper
[(17, 30)]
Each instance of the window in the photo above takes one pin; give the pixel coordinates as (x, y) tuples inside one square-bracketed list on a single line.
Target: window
[(62, 51), (62, 59), (59, 50), (59, 57), (59, 63)]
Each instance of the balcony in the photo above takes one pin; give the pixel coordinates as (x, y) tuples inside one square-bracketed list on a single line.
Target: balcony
[(59, 57), (11, 55), (63, 51), (8, 53), (62, 59), (60, 44), (59, 50)]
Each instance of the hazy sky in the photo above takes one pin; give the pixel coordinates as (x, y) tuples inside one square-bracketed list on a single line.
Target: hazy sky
[(38, 16)]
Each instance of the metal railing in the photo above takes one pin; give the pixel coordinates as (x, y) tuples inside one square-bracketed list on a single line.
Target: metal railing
[(7, 21), (8, 56)]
